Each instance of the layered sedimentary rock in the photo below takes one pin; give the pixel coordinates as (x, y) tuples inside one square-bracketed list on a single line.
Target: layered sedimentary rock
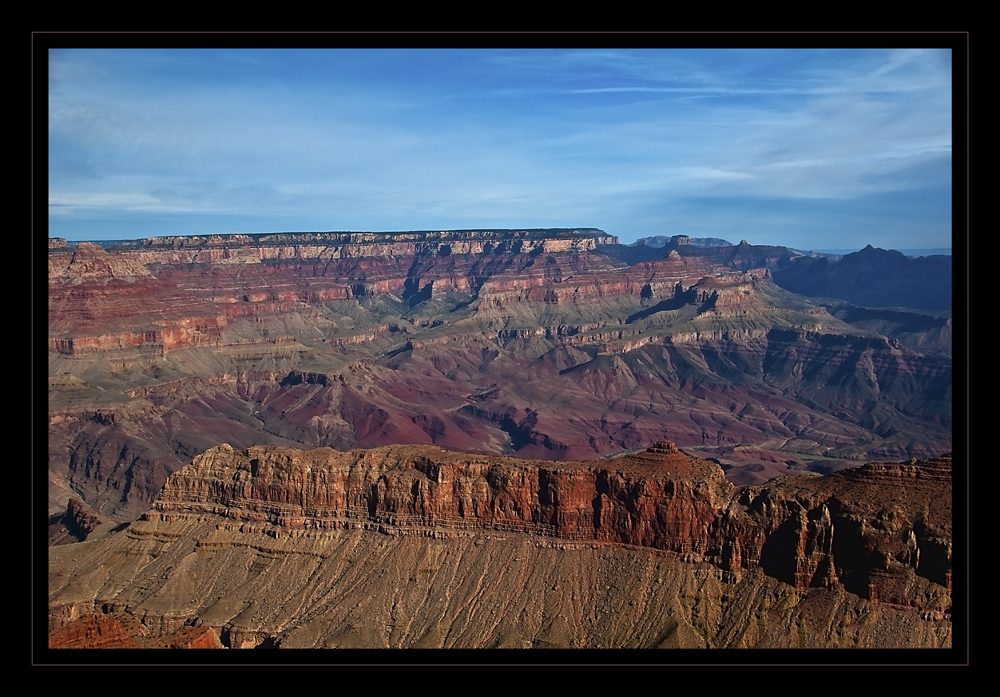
[(92, 631), (122, 631), (102, 301), (535, 343), (660, 498), (75, 524), (418, 546)]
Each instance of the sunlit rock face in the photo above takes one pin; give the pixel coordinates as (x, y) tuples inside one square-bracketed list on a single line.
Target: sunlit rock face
[(409, 546)]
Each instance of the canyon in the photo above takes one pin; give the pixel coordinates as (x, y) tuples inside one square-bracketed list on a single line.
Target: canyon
[(404, 413), (540, 343)]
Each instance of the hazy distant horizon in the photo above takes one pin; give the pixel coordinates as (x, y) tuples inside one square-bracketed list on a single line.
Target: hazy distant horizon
[(804, 148), (946, 251)]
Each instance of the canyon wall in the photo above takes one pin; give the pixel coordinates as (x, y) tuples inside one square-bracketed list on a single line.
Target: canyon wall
[(537, 343), (808, 531), (261, 544)]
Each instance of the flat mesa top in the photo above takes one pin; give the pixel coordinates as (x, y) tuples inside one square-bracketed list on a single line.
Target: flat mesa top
[(347, 237), (661, 458)]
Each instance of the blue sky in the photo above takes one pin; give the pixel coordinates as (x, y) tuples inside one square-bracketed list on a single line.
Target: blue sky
[(813, 149)]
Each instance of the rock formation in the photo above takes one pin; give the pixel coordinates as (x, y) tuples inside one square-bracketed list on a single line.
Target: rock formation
[(75, 524), (92, 631), (122, 631), (418, 546), (537, 343)]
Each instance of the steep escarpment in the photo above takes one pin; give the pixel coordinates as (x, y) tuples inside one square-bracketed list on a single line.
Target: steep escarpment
[(660, 498), (657, 498), (871, 528), (418, 546)]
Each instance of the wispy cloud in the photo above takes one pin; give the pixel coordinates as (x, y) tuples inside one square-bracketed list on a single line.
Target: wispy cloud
[(413, 139)]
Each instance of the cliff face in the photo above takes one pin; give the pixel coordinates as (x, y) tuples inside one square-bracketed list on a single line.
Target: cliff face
[(871, 545), (813, 531), (203, 284), (660, 498), (101, 300)]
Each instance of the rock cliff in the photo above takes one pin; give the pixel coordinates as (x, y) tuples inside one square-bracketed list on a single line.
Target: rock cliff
[(884, 517), (321, 528)]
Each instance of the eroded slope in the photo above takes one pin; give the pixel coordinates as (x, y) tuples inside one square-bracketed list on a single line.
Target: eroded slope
[(531, 343), (409, 546)]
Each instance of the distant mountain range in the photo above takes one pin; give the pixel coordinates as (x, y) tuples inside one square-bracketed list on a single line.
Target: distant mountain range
[(659, 241), (872, 278), (935, 251)]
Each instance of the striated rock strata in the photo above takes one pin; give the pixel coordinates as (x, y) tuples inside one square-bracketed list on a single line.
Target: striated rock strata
[(75, 524), (419, 546), (536, 343)]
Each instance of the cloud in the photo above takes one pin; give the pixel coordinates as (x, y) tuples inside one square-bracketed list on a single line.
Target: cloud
[(438, 137)]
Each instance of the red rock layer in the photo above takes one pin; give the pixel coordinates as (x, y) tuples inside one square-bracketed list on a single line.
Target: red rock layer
[(847, 528), (94, 631), (99, 631), (660, 498), (101, 300)]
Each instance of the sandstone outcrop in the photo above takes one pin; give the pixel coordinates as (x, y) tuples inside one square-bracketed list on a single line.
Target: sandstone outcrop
[(93, 631), (887, 516), (75, 524), (263, 544), (660, 498)]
